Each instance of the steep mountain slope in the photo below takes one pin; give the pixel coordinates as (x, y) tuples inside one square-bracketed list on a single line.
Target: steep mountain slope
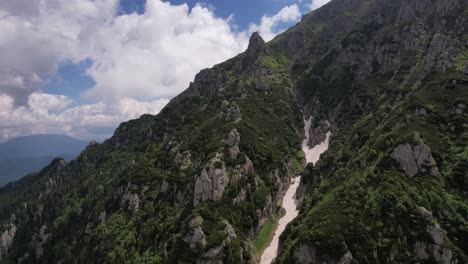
[(196, 183), (29, 154)]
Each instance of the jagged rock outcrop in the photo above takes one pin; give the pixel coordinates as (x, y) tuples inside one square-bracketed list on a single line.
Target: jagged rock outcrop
[(232, 140), (230, 112), (256, 48), (240, 198), (212, 181), (210, 256), (415, 158), (309, 254), (436, 249), (196, 237), (183, 160), (241, 170), (129, 198), (6, 239), (42, 238), (318, 134)]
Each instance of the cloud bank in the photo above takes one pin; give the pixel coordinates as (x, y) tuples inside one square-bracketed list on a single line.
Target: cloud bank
[(136, 59)]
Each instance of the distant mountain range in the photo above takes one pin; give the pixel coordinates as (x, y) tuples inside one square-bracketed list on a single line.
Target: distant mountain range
[(24, 155)]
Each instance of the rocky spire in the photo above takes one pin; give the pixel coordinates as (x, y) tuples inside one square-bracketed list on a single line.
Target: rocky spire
[(256, 48)]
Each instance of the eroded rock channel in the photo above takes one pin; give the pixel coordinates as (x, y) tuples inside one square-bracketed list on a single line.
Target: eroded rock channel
[(289, 203)]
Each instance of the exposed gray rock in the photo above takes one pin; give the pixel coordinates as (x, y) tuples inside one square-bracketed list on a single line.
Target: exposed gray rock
[(232, 140), (128, 197), (102, 216), (132, 200), (212, 181), (40, 240), (256, 48), (241, 88), (460, 109), (308, 254), (436, 248), (438, 253), (211, 255), (183, 160), (263, 216), (439, 53), (426, 215), (318, 134), (414, 159), (240, 198), (262, 83), (230, 112), (164, 186), (421, 112), (241, 170), (196, 238), (6, 239), (207, 83)]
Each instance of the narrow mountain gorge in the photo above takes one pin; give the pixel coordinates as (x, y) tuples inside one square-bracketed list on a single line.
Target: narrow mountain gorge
[(385, 81)]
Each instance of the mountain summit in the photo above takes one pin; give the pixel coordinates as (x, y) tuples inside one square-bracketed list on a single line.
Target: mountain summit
[(202, 181)]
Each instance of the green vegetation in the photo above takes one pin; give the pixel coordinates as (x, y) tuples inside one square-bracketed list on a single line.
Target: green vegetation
[(265, 235), (133, 198)]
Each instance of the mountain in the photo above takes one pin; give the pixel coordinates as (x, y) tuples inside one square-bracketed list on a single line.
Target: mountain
[(23, 155), (202, 181)]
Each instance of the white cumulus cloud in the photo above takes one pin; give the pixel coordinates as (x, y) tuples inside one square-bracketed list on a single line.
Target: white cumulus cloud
[(136, 59), (268, 28), (317, 4)]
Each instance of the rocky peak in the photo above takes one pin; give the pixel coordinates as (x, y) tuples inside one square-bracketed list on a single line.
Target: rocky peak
[(257, 47)]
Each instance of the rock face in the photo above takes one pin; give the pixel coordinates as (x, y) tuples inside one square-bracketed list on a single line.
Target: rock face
[(210, 256), (183, 160), (307, 254), (230, 112), (257, 48), (318, 134), (129, 199), (241, 170), (196, 238), (42, 238), (415, 158), (436, 248), (212, 181), (232, 141), (6, 239)]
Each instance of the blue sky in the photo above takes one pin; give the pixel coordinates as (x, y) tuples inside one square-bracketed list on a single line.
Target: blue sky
[(81, 67)]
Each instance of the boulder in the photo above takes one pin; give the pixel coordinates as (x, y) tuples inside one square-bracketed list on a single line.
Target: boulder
[(415, 158)]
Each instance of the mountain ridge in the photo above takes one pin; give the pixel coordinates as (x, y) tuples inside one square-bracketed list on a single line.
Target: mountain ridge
[(197, 182), (23, 155)]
